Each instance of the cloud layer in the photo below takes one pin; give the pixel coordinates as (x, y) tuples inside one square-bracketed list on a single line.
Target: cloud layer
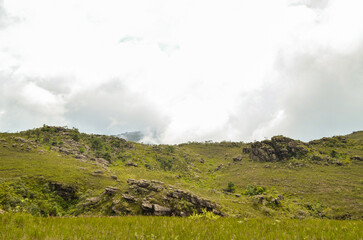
[(183, 71)]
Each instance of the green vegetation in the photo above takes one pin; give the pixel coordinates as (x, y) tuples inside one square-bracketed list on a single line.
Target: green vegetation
[(57, 171), (28, 227)]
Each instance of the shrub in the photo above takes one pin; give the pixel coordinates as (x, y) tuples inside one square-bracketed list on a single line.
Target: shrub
[(82, 150), (107, 156), (97, 144), (205, 215), (231, 187), (333, 153), (252, 190)]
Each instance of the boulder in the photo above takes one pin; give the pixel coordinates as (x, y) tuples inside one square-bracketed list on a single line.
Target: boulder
[(114, 177), (237, 158), (357, 158), (132, 164), (161, 210), (19, 139), (111, 190), (218, 167), (147, 207), (129, 198), (98, 172), (92, 201)]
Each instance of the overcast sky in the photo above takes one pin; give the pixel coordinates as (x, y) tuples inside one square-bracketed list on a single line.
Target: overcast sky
[(179, 71)]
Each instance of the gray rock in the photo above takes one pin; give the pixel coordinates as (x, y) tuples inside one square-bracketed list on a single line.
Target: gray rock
[(19, 139), (219, 167), (132, 164), (238, 195), (98, 172), (92, 200), (146, 206), (111, 190), (246, 150), (237, 158), (114, 177), (161, 210), (129, 198)]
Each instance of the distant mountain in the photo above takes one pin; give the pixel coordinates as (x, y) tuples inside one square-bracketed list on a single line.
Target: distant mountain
[(131, 136)]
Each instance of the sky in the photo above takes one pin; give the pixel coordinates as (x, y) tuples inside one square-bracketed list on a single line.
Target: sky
[(179, 71)]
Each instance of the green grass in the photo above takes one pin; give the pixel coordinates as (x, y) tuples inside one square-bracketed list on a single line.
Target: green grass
[(333, 191), (29, 227)]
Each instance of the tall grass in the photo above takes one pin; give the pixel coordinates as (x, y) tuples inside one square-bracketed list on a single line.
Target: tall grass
[(21, 226)]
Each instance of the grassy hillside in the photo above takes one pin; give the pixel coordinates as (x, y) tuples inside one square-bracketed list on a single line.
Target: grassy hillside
[(59, 171)]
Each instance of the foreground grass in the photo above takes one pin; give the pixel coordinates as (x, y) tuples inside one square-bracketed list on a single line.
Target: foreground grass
[(28, 227)]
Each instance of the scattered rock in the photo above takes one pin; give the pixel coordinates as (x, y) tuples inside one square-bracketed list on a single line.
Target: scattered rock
[(2, 211), (92, 201), (114, 177), (219, 167), (339, 163), (98, 172), (238, 195), (129, 163), (19, 139), (357, 158), (237, 158), (102, 161), (201, 160)]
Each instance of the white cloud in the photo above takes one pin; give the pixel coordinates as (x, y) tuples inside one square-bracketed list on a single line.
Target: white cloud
[(181, 70)]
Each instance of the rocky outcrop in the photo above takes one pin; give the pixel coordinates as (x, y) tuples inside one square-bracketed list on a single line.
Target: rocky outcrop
[(111, 190), (277, 149), (159, 199), (246, 150)]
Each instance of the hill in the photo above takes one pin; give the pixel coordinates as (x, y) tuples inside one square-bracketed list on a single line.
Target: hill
[(57, 171)]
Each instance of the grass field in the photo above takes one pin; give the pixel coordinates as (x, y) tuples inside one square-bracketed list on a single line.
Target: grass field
[(20, 226)]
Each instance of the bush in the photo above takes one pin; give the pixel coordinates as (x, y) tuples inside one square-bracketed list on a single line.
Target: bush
[(82, 150), (252, 190), (97, 144), (231, 187), (107, 156)]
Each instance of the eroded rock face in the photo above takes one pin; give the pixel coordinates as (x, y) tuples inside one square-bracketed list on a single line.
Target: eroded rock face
[(277, 149), (159, 199), (111, 190)]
